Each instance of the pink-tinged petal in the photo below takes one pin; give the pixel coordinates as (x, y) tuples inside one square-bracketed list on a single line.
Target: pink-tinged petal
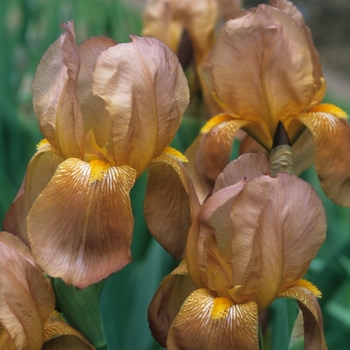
[(206, 322), (230, 8), (303, 152), (202, 229), (96, 117), (26, 296), (279, 225), (261, 68), (246, 167), (249, 145), (81, 225), (40, 171), (166, 303), (210, 152), (60, 335), (146, 92), (331, 137), (313, 323), (69, 119), (170, 203)]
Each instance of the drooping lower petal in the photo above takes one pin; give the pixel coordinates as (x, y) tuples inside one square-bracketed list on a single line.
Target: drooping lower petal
[(170, 203), (210, 152), (207, 322), (313, 323), (80, 227), (166, 303), (60, 335), (331, 135), (40, 171), (26, 296)]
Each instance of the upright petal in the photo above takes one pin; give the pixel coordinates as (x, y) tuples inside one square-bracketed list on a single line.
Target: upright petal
[(279, 225), (331, 137), (206, 322), (26, 296), (80, 227), (170, 203), (146, 92), (96, 117), (166, 303), (261, 68)]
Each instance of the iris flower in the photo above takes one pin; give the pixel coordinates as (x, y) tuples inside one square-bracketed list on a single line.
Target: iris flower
[(27, 316), (106, 111), (250, 243), (263, 70)]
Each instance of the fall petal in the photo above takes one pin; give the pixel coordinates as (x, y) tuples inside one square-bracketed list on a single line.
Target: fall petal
[(59, 335), (313, 323), (40, 171), (170, 203), (210, 152), (146, 92), (80, 227), (279, 225), (247, 166), (93, 107), (267, 58), (206, 322), (26, 296), (249, 145), (166, 303), (331, 136)]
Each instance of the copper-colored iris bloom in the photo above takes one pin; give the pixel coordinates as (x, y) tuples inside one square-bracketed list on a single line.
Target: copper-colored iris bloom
[(168, 19), (27, 302), (262, 70), (250, 243), (106, 111)]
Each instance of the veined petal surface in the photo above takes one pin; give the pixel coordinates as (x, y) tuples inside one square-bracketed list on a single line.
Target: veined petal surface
[(331, 136), (214, 326), (146, 92), (80, 227), (170, 203), (26, 296)]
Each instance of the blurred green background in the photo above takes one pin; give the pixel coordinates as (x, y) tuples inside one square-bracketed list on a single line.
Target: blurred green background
[(28, 27)]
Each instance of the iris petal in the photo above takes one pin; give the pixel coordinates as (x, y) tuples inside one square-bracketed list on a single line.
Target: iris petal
[(80, 228)]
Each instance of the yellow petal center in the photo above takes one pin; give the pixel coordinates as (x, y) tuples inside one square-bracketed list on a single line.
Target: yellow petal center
[(99, 170), (221, 307)]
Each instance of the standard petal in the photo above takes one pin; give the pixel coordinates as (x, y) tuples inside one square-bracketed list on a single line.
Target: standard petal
[(170, 203), (313, 323), (69, 119), (261, 69), (206, 322), (96, 117), (247, 166), (80, 227), (40, 171), (26, 296), (331, 137), (50, 78), (202, 229), (279, 225), (146, 92), (166, 303), (210, 152)]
